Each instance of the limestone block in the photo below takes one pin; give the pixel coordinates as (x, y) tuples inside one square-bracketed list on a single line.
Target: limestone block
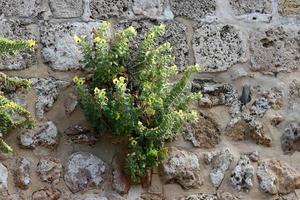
[(20, 8), (66, 8), (155, 9), (289, 7), (243, 7)]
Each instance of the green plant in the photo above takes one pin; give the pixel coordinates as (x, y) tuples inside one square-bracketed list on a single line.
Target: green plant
[(140, 100), (12, 115)]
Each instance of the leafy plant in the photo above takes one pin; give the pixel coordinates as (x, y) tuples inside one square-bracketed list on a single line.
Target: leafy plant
[(12, 115), (139, 100)]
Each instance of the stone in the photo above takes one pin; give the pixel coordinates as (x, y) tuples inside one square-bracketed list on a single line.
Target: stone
[(274, 97), (66, 8), (253, 156), (150, 196), (89, 197), (220, 162), (279, 43), (291, 196), (195, 10), (11, 197), (155, 9), (80, 135), (260, 107), (49, 170), (104, 9), (203, 133), (243, 7), (277, 177), (121, 181), (47, 91), (76, 130), (3, 178), (242, 175), (17, 8), (218, 47), (200, 196), (43, 134), (289, 7), (183, 168), (226, 196), (15, 30), (290, 139), (84, 170), (70, 104), (22, 173), (60, 50), (276, 120), (294, 90), (46, 193)]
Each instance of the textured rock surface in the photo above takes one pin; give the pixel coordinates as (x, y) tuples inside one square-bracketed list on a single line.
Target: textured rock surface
[(294, 90), (242, 7), (84, 170), (66, 8), (22, 173), (44, 134), (49, 170), (191, 9), (47, 193), (218, 47), (277, 176), (275, 50), (183, 168), (80, 135), (242, 175), (89, 197), (24, 8), (103, 9), (289, 7), (155, 9), (121, 182), (59, 48), (203, 133), (200, 196), (290, 139), (3, 178)]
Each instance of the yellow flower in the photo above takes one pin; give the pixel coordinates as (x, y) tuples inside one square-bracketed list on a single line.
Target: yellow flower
[(31, 43), (133, 142), (77, 39)]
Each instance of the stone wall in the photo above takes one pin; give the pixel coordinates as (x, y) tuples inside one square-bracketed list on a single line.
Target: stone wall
[(249, 51)]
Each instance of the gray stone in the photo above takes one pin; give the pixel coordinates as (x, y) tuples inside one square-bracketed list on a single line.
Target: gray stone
[(242, 7), (89, 197), (104, 9), (294, 90), (49, 170), (48, 193), (155, 9), (71, 104), (20, 8), (200, 196), (83, 171), (275, 50), (15, 30), (121, 181), (44, 134), (59, 47), (47, 91), (22, 173), (260, 107), (291, 196), (226, 196), (289, 7), (3, 178), (192, 9), (66, 8), (290, 138), (183, 168), (218, 47), (242, 175)]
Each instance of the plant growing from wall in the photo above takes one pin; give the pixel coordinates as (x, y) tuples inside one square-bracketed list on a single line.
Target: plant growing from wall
[(12, 115), (137, 100)]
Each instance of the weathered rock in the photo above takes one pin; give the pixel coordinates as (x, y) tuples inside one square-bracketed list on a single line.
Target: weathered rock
[(291, 196), (11, 197), (89, 197), (226, 196), (276, 120), (80, 135), (66, 8), (275, 50), (183, 168), (294, 90), (253, 156), (277, 176), (243, 7), (59, 47), (195, 10), (15, 30), (155, 9), (200, 196), (104, 9), (274, 97), (289, 7), (260, 107), (148, 196), (218, 47), (290, 139), (22, 173), (47, 91), (47, 193), (44, 134), (70, 104), (203, 133), (16, 8), (121, 181), (242, 175), (76, 130), (49, 170), (3, 178), (84, 170)]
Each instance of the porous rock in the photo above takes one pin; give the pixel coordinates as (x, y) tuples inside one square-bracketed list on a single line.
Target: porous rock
[(89, 197), (275, 50), (103, 9), (242, 7), (49, 170), (242, 175), (22, 173), (289, 7), (218, 47), (60, 50), (195, 10), (290, 139), (155, 9), (121, 181), (294, 90), (44, 134), (24, 8), (260, 107), (276, 176), (48, 193), (66, 8), (80, 135), (183, 168), (200, 196), (226, 196), (3, 178), (84, 170)]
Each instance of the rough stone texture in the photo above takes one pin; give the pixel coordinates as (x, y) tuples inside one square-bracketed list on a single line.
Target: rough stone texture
[(80, 135), (277, 176), (83, 171), (103, 9), (59, 47), (49, 170), (218, 47), (200, 196), (227, 196), (290, 139), (66, 8), (275, 50), (121, 182), (242, 174), (89, 197), (22, 173), (260, 107), (44, 134), (242, 7), (220, 162), (253, 156), (47, 91), (47, 193), (15, 30), (155, 9), (183, 168), (191, 9), (291, 196), (294, 90), (20, 8), (289, 7), (203, 133), (3, 178), (71, 104)]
